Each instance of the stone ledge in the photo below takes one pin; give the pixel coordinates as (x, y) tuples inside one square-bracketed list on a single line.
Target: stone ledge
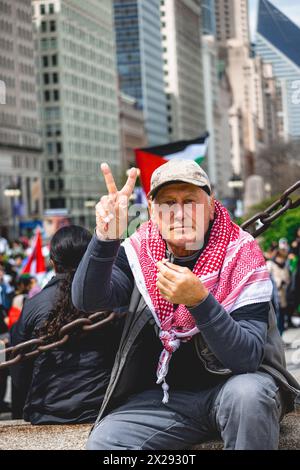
[(19, 435)]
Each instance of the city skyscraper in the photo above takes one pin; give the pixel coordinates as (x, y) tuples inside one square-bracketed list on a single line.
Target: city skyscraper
[(277, 42), (140, 62), (217, 102), (254, 111), (181, 32), (233, 39), (132, 127), (208, 17), (20, 142), (78, 94), (232, 20)]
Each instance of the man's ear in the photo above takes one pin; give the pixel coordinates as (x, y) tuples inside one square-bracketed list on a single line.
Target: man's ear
[(212, 207), (151, 208)]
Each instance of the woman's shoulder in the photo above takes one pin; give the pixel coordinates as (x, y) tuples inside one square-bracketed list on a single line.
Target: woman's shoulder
[(40, 304)]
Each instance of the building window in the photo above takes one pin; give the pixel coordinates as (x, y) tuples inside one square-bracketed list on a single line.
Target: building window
[(57, 130), (52, 185), (58, 147), (45, 61), (59, 165), (44, 43), (52, 25), (47, 95), (55, 77), (54, 60), (60, 184), (56, 95), (42, 9), (46, 79), (51, 8), (49, 148), (50, 165)]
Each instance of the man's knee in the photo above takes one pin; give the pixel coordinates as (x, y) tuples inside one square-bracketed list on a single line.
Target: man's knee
[(250, 391), (96, 440), (103, 436), (248, 412), (112, 434)]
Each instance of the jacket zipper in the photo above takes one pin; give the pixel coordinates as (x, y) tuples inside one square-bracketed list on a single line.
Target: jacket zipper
[(120, 368)]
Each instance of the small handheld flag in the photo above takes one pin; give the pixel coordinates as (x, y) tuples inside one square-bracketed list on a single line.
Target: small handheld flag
[(36, 262)]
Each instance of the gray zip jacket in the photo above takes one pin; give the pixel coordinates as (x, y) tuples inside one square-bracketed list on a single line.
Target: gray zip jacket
[(226, 344)]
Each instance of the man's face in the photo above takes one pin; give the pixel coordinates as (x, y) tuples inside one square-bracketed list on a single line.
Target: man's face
[(182, 212)]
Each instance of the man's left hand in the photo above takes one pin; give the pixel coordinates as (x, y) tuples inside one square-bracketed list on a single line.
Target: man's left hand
[(179, 285)]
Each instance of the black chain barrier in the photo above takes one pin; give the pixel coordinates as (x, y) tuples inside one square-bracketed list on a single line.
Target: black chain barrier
[(34, 347), (273, 212)]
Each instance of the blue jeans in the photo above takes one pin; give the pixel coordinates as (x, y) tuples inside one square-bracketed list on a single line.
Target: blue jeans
[(244, 411)]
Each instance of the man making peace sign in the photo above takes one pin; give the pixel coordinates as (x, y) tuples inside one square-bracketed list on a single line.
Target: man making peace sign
[(200, 352)]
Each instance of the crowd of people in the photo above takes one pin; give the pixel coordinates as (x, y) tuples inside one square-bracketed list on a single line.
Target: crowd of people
[(283, 262), (15, 287)]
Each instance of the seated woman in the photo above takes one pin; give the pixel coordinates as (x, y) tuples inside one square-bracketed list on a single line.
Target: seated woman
[(67, 384)]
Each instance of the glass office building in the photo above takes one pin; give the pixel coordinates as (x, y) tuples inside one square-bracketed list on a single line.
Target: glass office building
[(277, 42), (208, 17), (140, 62), (77, 78)]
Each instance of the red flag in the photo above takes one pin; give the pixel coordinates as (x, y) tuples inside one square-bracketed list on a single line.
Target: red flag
[(147, 163), (36, 261)]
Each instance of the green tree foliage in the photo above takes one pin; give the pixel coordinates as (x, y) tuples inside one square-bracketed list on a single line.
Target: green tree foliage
[(283, 227)]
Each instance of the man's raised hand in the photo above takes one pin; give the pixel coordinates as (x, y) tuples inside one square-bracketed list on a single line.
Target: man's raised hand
[(111, 210)]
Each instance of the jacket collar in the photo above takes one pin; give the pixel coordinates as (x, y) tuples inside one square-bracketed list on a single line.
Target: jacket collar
[(57, 277)]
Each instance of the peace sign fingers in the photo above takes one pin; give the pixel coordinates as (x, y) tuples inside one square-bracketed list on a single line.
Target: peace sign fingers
[(128, 188), (109, 179), (112, 209)]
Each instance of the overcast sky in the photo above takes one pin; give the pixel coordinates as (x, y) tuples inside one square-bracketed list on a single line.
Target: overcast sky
[(290, 8)]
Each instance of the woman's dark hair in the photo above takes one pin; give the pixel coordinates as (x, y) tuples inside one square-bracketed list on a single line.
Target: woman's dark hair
[(67, 248)]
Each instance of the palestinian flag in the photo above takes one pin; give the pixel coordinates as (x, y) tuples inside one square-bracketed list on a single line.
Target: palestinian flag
[(148, 159), (35, 263)]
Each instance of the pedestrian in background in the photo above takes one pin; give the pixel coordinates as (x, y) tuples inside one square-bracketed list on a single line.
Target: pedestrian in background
[(280, 273), (67, 384)]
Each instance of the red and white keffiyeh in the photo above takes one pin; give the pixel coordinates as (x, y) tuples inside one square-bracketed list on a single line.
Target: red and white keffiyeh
[(231, 266)]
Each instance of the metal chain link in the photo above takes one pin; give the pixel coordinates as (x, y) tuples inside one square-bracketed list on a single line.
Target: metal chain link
[(34, 347), (266, 217)]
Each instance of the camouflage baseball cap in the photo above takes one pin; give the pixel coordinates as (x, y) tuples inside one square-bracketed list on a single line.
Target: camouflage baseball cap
[(179, 171)]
